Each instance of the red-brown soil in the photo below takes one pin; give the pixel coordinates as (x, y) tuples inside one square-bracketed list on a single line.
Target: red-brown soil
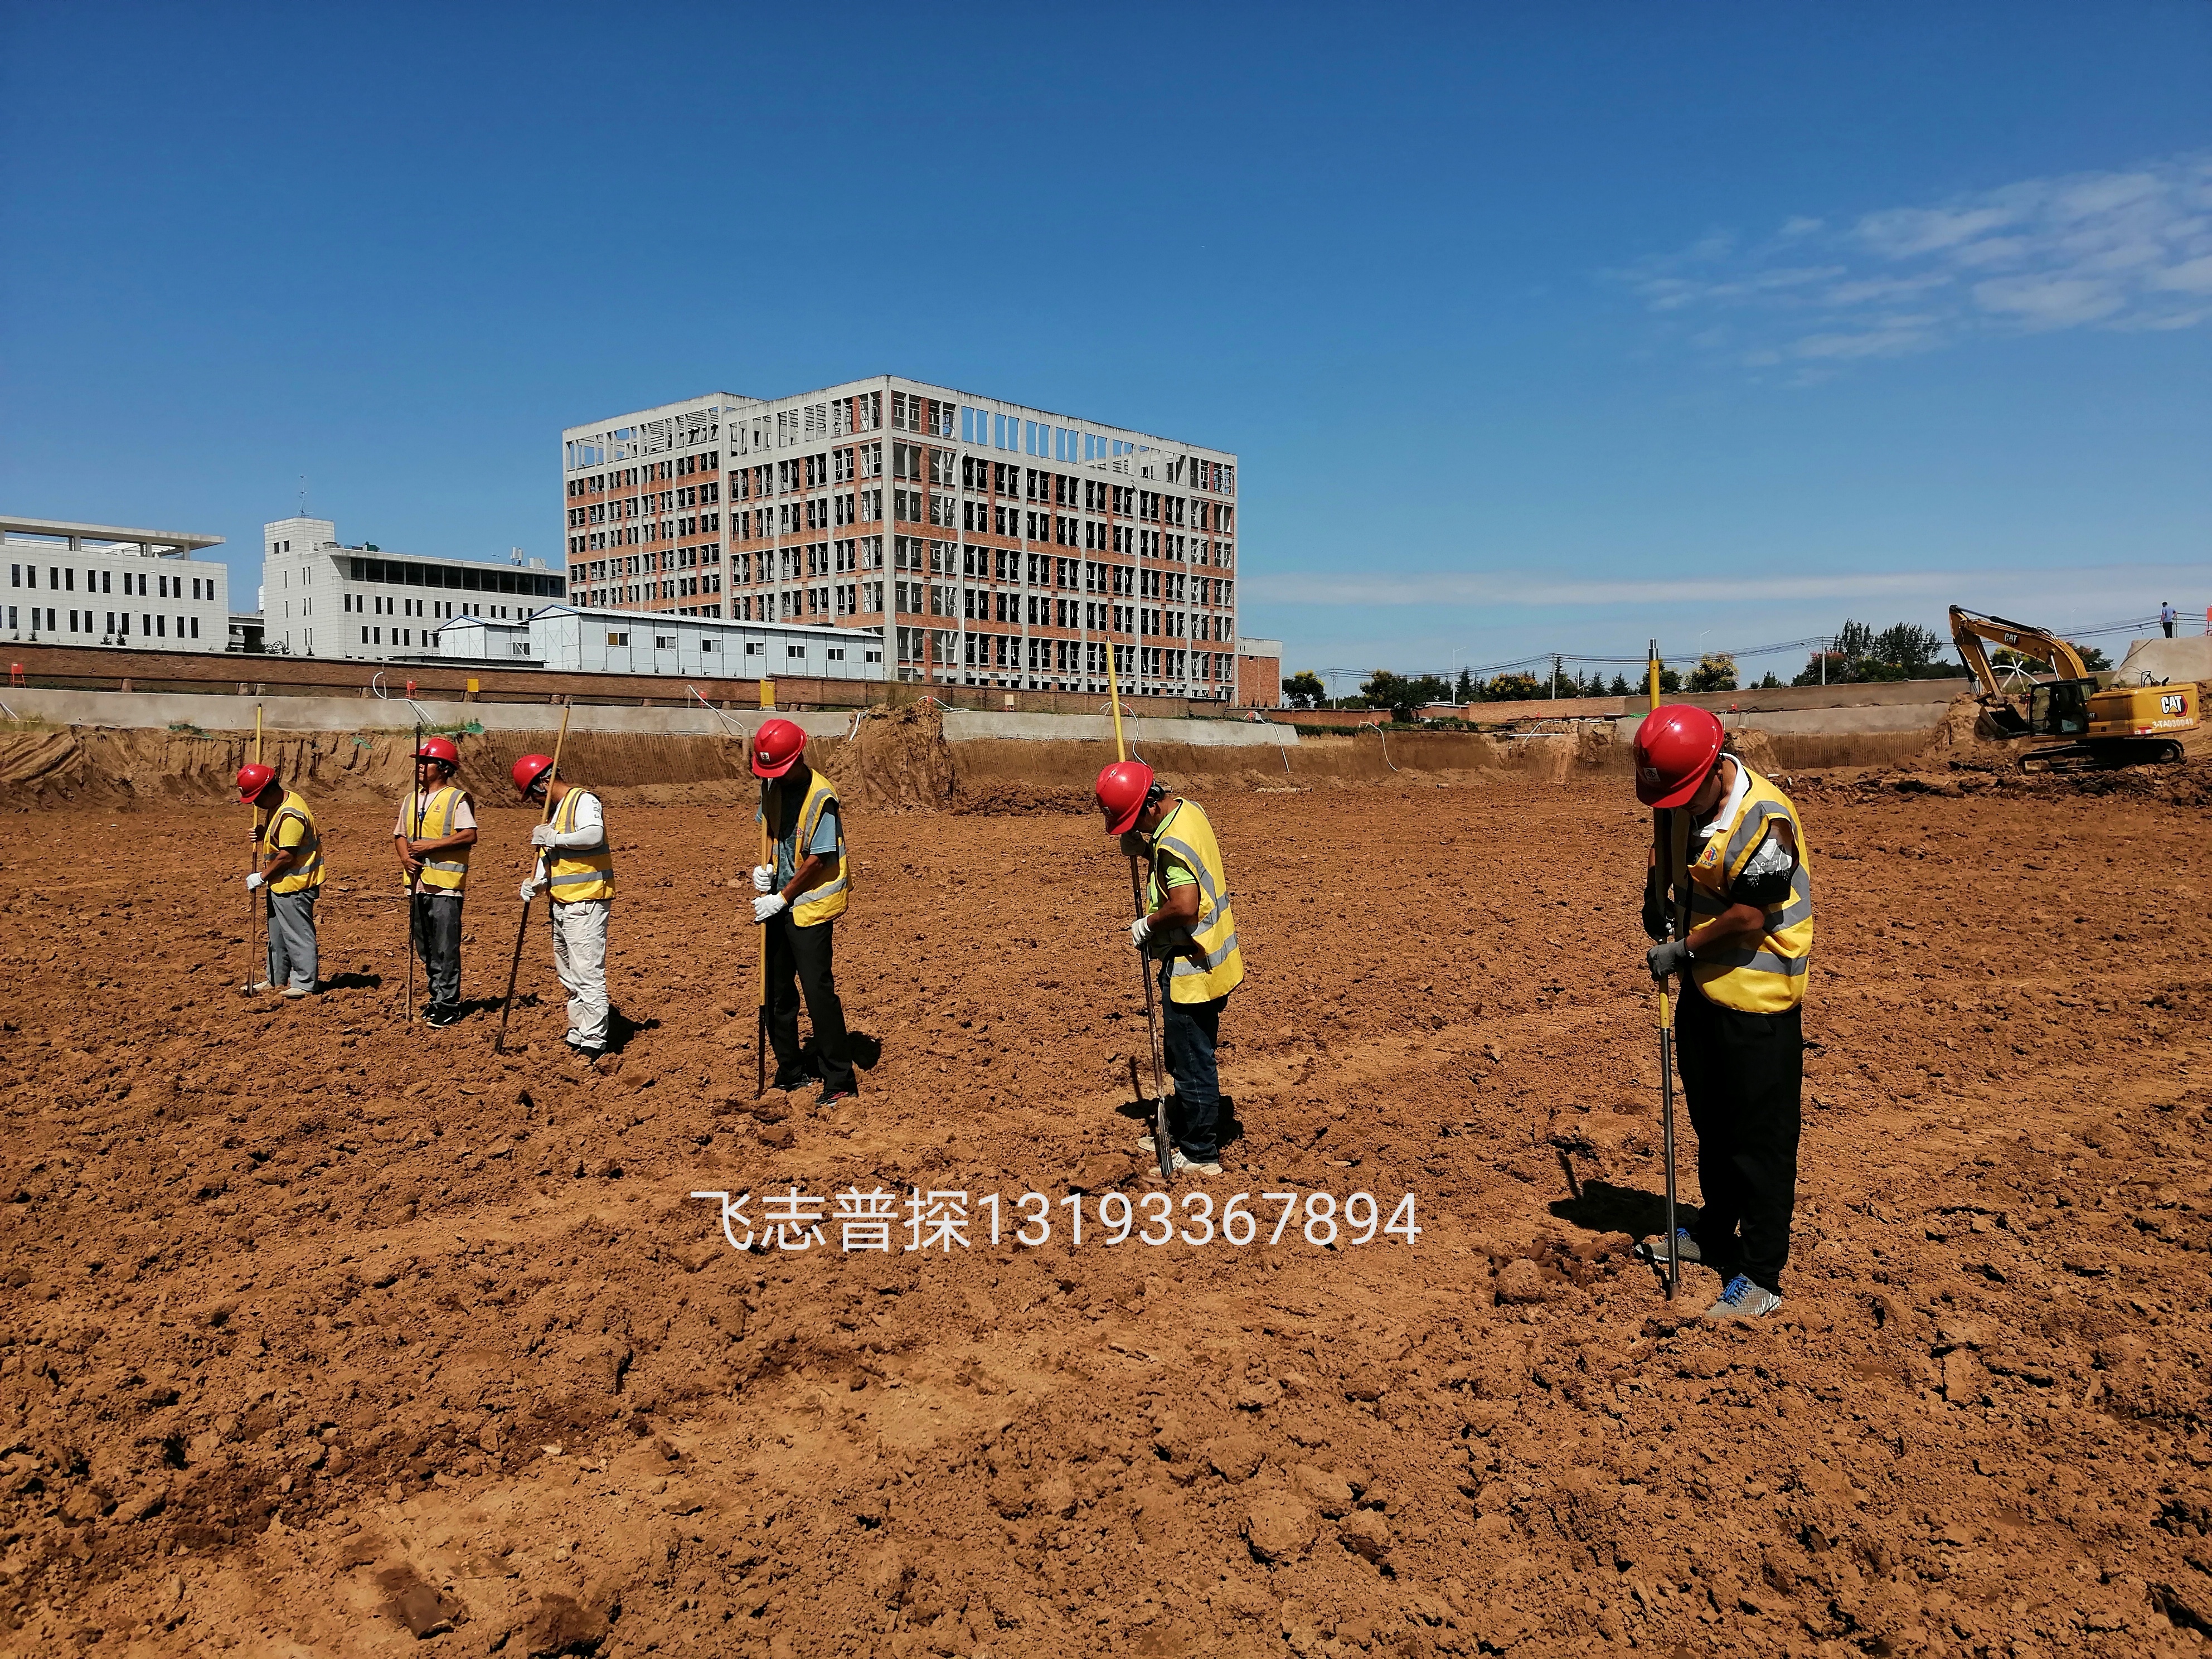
[(324, 1331)]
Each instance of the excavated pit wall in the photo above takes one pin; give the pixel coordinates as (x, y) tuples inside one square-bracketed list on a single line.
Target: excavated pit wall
[(899, 761)]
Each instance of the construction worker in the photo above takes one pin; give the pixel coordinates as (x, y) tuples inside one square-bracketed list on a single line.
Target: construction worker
[(574, 864), (799, 896), (1738, 1024), (1190, 929), (436, 827), (289, 865), (2166, 616)]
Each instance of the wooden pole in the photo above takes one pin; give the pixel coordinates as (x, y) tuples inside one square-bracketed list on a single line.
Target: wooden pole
[(760, 998), (1669, 842), (252, 903), (1162, 1147), (522, 927)]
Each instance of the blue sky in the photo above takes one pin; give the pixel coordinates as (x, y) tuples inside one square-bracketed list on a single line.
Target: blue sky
[(1536, 328)]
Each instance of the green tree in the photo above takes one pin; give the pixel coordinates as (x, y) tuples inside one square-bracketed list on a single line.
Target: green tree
[(1907, 646), (1306, 690), (1669, 681), (1466, 690), (1619, 686), (1770, 682), (1513, 688), (1400, 694), (1854, 639), (1716, 671)]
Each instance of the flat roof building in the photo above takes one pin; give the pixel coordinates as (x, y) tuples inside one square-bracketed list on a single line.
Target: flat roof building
[(990, 543), (319, 599), (70, 583), (582, 640)]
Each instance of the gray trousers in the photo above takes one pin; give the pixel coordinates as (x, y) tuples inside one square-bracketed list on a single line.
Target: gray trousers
[(436, 920), (579, 956), (292, 939)]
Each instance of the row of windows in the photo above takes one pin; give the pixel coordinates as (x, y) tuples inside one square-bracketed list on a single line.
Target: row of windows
[(62, 579), (630, 477), (116, 625)]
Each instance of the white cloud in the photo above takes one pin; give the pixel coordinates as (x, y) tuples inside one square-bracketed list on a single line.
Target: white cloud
[(2121, 250)]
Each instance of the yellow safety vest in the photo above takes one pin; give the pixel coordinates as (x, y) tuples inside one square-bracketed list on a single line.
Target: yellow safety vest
[(826, 899), (1206, 963), (577, 873), (1764, 974), (447, 871), (307, 869)]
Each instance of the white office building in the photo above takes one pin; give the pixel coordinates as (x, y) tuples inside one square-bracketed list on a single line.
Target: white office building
[(592, 642), (103, 584), (322, 599)]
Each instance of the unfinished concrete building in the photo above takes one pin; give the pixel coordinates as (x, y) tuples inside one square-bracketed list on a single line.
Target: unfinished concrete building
[(990, 543)]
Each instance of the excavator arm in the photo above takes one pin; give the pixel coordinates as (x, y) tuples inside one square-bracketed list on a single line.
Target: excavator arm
[(1969, 629)]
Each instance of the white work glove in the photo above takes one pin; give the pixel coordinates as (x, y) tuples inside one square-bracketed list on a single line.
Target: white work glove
[(256, 879), (1140, 931), (770, 906), (763, 877), (529, 891), (541, 835)]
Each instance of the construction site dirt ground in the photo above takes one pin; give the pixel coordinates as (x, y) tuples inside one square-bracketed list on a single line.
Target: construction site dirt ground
[(324, 1334)]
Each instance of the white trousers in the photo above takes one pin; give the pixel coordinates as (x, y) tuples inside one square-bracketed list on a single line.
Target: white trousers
[(579, 956)]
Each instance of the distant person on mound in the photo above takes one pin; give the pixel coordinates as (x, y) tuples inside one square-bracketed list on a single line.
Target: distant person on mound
[(799, 896), (1188, 928), (289, 868), (1739, 1022), (2166, 616), (435, 828), (576, 866)]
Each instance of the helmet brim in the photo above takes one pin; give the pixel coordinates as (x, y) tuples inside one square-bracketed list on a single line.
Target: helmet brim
[(773, 771), (1120, 823), (1661, 799)]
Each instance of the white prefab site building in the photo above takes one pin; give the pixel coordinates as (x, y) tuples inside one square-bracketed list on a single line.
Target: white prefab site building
[(594, 641), (319, 599), (103, 584)]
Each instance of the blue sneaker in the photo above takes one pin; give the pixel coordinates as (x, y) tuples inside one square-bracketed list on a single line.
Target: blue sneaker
[(1744, 1299)]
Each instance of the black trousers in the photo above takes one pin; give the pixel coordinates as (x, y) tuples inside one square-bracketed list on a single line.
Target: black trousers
[(1189, 1032), (1742, 1075), (436, 921), (806, 955)]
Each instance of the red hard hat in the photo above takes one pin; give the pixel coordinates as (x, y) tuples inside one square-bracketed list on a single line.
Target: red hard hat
[(1121, 790), (439, 748), (1675, 748), (528, 771), (776, 747), (253, 779)]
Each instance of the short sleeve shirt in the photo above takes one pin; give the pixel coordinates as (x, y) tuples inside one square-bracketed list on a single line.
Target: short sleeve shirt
[(291, 831)]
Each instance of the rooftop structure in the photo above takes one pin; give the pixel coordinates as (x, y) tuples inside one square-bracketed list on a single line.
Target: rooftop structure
[(991, 543)]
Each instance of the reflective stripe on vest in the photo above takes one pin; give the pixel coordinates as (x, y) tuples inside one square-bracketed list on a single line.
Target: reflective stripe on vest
[(307, 870), (826, 901), (1206, 962), (1764, 974), (448, 871), (577, 873)]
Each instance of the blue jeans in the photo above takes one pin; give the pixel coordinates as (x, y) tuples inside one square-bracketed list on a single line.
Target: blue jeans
[(1189, 1031)]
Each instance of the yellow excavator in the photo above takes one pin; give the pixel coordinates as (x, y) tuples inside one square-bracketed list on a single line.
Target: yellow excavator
[(2126, 726)]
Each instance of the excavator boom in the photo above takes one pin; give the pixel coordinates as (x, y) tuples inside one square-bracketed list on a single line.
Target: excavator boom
[(1969, 629)]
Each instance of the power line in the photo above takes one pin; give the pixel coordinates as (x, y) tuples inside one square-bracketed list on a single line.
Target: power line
[(1544, 659)]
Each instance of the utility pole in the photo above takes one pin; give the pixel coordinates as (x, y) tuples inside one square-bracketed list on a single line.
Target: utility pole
[(1555, 676)]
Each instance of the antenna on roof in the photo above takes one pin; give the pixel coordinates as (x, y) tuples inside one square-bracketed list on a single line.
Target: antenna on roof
[(303, 495)]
